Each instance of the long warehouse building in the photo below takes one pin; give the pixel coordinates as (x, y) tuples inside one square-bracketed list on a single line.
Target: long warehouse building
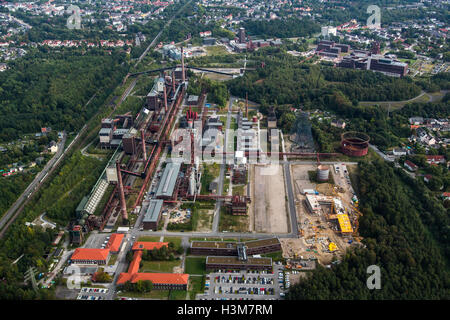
[(168, 181), (226, 248)]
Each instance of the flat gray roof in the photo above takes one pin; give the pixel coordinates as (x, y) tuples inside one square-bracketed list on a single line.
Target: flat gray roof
[(168, 179), (153, 211), (105, 131)]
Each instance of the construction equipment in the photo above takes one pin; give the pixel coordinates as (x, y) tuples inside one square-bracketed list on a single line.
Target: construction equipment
[(332, 247)]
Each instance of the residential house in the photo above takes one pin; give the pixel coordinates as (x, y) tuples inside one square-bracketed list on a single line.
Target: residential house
[(411, 166)]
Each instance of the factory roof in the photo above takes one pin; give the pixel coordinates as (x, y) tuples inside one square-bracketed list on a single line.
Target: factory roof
[(168, 180), (213, 244), (235, 261), (104, 131), (121, 131), (153, 210), (90, 254), (261, 242), (232, 245)]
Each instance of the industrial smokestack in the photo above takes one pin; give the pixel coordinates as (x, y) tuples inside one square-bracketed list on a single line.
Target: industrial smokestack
[(123, 204), (165, 98), (144, 151), (173, 82), (182, 65)]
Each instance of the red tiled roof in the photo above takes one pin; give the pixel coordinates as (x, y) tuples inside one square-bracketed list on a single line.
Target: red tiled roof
[(446, 194), (134, 265), (410, 164), (90, 254), (144, 245), (435, 158), (162, 278), (114, 242)]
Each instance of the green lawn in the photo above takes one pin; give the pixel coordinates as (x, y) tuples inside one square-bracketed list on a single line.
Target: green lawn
[(177, 295), (231, 223), (154, 294), (195, 265), (216, 50), (196, 285), (159, 266), (176, 241), (238, 190), (149, 239), (276, 256), (112, 260), (204, 220)]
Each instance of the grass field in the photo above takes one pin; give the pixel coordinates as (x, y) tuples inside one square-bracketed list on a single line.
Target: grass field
[(276, 256), (196, 285), (204, 220), (238, 190), (154, 294), (195, 265), (216, 50), (176, 241), (177, 295), (149, 239), (159, 266), (231, 223), (394, 105)]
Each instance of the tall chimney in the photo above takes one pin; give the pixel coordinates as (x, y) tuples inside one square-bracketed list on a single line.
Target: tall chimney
[(182, 65), (173, 82), (123, 204), (165, 98), (144, 151)]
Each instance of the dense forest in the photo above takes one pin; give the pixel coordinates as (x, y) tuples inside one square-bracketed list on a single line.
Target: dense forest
[(52, 89), (284, 80), (59, 200), (217, 91), (407, 236), (281, 28)]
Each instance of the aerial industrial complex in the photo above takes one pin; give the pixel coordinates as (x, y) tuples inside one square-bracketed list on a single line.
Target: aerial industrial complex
[(160, 180)]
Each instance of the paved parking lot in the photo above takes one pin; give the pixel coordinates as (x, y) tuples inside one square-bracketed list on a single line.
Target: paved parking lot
[(92, 293), (244, 285), (96, 240)]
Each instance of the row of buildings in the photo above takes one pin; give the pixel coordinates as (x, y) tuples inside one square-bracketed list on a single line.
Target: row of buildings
[(362, 59), (225, 255)]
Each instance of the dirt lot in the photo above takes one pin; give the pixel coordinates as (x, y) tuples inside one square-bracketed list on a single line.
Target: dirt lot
[(300, 177), (205, 219), (269, 200), (317, 232)]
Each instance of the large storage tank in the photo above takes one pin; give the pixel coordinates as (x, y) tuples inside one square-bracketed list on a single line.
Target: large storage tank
[(323, 173)]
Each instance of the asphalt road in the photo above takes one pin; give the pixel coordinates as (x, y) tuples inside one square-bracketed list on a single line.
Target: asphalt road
[(290, 192), (17, 207), (216, 218)]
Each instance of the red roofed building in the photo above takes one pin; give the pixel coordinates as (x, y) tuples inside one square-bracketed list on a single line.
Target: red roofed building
[(435, 159), (114, 242), (161, 281), (143, 245), (411, 166), (90, 256)]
